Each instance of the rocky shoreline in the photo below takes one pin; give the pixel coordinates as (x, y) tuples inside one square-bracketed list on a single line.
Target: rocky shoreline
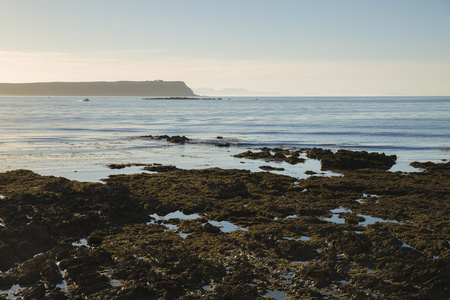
[(230, 234)]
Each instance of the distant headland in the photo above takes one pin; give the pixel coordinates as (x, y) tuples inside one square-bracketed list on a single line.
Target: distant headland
[(156, 88)]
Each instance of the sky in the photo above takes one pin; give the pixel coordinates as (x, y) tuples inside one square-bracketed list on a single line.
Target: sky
[(292, 47)]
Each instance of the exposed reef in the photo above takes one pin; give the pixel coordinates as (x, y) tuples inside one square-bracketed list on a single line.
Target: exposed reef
[(351, 160), (279, 155), (176, 139), (229, 234)]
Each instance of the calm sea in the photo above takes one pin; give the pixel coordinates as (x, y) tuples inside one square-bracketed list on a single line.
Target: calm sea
[(65, 136)]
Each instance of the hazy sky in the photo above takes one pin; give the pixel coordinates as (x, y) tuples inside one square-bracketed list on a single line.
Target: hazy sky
[(295, 47)]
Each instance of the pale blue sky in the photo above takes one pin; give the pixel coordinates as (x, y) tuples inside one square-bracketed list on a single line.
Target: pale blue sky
[(295, 47)]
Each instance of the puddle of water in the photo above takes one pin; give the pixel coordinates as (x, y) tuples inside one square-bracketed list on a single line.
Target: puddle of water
[(12, 292), (114, 282), (176, 215), (288, 217), (226, 226), (276, 294), (290, 275), (303, 262), (62, 285), (172, 227), (81, 242), (372, 220), (302, 238), (362, 200), (340, 210), (370, 195), (407, 246), (183, 235), (335, 217), (369, 220)]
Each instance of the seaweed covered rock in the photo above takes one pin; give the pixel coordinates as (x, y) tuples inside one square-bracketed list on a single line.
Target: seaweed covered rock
[(351, 160), (430, 166), (171, 139), (37, 211), (279, 155), (213, 233)]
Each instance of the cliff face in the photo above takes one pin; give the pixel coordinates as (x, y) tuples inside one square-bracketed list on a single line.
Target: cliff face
[(100, 88)]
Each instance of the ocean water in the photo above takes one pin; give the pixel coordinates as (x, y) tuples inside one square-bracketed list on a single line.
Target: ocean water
[(65, 136)]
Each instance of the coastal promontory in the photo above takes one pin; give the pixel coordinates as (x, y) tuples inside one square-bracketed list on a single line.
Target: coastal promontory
[(98, 88)]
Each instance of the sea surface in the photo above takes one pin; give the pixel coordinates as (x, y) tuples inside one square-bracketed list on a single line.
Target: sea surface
[(65, 136)]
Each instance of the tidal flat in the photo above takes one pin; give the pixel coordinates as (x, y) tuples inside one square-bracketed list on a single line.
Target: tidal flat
[(366, 233)]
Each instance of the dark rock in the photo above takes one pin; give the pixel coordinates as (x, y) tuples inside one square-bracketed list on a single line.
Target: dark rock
[(233, 292), (208, 227), (269, 168), (295, 250), (116, 166), (351, 243), (159, 168), (351, 160), (35, 292), (177, 139), (7, 257), (128, 258), (56, 294), (225, 190), (293, 160), (318, 153), (222, 145), (430, 167), (91, 282), (279, 155), (171, 139)]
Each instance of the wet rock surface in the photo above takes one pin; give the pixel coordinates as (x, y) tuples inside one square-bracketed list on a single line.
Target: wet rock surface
[(351, 160), (274, 154), (227, 234), (176, 139)]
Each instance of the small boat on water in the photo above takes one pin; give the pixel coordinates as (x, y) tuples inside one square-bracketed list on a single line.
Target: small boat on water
[(85, 99)]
